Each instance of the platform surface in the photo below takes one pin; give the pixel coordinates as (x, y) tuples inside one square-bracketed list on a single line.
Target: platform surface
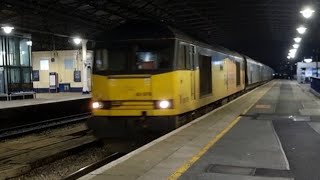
[(44, 98), (270, 133)]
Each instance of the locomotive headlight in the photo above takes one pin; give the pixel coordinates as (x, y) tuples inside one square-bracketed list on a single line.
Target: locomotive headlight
[(164, 104), (97, 105)]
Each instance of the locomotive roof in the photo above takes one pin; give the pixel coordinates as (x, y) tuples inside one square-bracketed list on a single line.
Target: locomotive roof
[(142, 30), (149, 30)]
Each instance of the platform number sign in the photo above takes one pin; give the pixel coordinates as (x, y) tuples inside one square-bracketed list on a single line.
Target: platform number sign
[(77, 76)]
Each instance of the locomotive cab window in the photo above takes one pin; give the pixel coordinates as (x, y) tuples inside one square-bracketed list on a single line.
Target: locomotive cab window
[(152, 60), (184, 57), (134, 57)]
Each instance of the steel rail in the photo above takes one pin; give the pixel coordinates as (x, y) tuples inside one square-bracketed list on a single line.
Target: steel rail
[(91, 167), (32, 127)]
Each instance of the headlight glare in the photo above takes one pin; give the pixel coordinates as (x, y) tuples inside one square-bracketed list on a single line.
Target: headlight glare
[(97, 105), (164, 104)]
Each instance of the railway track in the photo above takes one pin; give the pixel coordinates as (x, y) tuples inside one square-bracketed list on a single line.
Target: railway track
[(89, 168), (71, 148), (33, 127), (25, 159)]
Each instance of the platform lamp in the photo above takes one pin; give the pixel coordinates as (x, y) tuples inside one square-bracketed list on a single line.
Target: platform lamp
[(83, 42), (77, 40), (7, 29), (307, 12)]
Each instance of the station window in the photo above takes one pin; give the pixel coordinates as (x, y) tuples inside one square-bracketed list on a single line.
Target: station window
[(14, 52), (15, 75), (44, 64), (26, 73), (68, 64), (24, 53)]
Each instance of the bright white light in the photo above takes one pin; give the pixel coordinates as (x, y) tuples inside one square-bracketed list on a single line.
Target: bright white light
[(96, 105), (297, 39), (164, 104), (288, 57), (29, 43), (293, 50), (77, 40), (7, 29), (292, 55), (308, 60), (307, 12), (301, 29), (295, 46)]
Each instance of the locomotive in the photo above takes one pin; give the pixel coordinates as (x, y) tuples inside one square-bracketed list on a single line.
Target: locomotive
[(151, 76)]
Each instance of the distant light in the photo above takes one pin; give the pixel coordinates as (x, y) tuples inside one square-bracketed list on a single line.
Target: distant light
[(77, 40), (288, 57), (29, 43), (7, 29), (308, 60), (295, 46), (301, 29), (297, 39), (292, 53), (293, 50), (307, 12)]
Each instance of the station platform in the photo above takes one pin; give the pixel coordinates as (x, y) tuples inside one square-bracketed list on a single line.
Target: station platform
[(45, 107), (44, 98), (272, 132)]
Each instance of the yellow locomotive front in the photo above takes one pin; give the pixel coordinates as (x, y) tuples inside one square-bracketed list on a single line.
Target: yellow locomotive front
[(133, 87)]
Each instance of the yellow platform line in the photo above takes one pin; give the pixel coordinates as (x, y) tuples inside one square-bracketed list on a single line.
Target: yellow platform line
[(182, 169)]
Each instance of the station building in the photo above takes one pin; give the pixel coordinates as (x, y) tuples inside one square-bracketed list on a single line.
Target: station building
[(306, 70), (15, 65), (59, 71)]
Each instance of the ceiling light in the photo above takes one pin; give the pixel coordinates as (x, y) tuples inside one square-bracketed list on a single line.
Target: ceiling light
[(293, 50), (308, 60), (301, 30), (292, 55), (7, 29), (295, 46), (297, 39), (307, 12), (77, 40), (29, 43)]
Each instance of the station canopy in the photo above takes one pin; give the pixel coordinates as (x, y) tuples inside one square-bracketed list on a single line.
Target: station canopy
[(263, 30)]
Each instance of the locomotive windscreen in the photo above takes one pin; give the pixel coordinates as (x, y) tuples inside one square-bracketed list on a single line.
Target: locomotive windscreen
[(145, 56)]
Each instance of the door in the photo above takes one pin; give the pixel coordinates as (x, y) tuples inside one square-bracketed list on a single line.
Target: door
[(205, 75), (192, 74), (1, 80)]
